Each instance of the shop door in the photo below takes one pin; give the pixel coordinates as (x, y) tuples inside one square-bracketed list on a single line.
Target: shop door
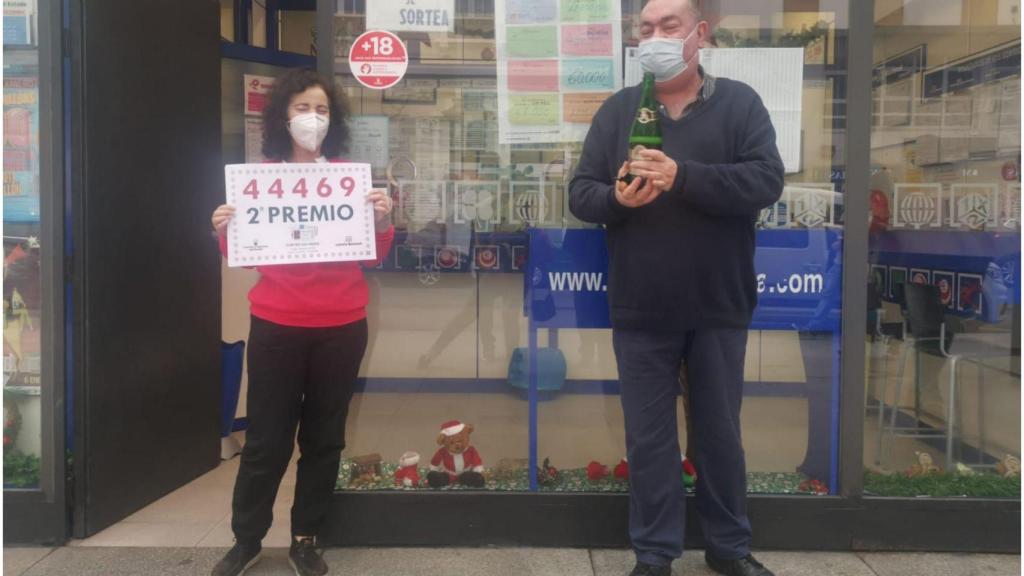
[(146, 155)]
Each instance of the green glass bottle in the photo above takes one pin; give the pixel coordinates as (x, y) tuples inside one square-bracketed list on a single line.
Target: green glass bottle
[(645, 134)]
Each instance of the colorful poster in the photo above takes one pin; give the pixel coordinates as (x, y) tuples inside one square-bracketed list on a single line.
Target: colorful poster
[(587, 40), (257, 90), (18, 22), (944, 281), (595, 75), (580, 108), (21, 144), (969, 297), (558, 60), (533, 42), (533, 75), (586, 10)]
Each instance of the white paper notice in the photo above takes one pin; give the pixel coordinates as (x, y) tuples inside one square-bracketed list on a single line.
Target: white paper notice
[(1009, 117), (777, 74), (634, 73), (369, 136)]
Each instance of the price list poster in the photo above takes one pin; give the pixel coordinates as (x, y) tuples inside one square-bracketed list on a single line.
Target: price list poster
[(558, 60)]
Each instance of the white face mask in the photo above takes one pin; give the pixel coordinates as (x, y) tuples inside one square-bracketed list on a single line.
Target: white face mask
[(663, 57), (309, 130)]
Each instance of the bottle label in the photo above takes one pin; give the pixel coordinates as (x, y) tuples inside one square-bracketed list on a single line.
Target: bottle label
[(646, 116)]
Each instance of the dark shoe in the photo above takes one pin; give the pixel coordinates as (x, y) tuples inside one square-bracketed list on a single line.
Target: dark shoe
[(305, 559), (240, 558), (642, 569), (741, 567)]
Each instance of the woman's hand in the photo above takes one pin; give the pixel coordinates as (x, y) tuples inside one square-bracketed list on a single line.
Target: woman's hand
[(221, 217), (381, 208)]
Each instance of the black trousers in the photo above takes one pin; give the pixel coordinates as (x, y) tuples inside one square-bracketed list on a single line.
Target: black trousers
[(304, 378), (649, 374)]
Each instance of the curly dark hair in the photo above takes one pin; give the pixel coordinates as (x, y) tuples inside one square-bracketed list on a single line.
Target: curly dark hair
[(277, 141)]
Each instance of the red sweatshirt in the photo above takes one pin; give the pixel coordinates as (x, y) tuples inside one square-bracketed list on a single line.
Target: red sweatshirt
[(314, 295)]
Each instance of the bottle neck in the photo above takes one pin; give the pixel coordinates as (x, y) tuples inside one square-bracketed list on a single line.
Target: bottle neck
[(647, 99)]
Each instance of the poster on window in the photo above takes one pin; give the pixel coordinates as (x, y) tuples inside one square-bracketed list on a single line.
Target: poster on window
[(558, 60), (777, 74), (18, 15), (21, 144), (257, 91)]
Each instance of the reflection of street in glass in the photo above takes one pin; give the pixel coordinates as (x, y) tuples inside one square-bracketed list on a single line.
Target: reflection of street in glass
[(480, 309)]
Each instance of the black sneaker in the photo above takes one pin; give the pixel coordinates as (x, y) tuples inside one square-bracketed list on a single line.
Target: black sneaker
[(742, 567), (240, 558), (642, 569), (305, 559)]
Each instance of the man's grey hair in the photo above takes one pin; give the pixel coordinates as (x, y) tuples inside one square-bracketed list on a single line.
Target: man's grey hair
[(692, 6)]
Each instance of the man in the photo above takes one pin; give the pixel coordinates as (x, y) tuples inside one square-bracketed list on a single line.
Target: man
[(682, 285)]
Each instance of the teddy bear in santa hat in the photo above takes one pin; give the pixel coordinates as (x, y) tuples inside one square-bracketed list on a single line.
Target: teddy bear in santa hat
[(456, 462), (407, 474)]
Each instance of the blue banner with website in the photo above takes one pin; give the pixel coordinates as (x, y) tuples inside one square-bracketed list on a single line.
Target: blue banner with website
[(799, 279)]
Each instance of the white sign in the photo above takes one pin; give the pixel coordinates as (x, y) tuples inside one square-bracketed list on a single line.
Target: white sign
[(634, 72), (411, 16), (777, 75), (369, 136), (297, 213)]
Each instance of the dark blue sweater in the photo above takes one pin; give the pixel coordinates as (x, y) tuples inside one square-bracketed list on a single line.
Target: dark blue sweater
[(686, 260)]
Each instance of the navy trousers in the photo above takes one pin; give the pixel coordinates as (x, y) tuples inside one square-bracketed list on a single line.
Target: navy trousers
[(649, 365)]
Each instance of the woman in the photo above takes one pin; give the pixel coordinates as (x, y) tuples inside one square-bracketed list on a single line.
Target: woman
[(307, 339)]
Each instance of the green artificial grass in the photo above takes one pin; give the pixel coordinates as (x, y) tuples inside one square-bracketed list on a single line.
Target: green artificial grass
[(20, 470), (980, 485)]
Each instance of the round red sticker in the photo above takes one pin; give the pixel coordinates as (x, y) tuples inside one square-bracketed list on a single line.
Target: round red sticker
[(378, 59)]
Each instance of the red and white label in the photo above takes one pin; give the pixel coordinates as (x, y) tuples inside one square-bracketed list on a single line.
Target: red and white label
[(378, 59)]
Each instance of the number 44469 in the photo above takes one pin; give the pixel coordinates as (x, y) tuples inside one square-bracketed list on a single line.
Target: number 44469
[(323, 189)]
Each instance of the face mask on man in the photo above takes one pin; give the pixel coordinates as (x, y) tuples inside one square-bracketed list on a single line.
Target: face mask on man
[(663, 57), (309, 130)]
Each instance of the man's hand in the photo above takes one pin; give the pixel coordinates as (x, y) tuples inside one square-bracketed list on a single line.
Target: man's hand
[(657, 168), (633, 195)]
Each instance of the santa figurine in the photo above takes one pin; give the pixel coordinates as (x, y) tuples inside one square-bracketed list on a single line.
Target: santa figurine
[(407, 474), (456, 462)]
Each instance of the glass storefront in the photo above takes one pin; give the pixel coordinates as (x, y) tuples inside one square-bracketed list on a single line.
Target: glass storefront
[(477, 145), (943, 351), (22, 285)]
